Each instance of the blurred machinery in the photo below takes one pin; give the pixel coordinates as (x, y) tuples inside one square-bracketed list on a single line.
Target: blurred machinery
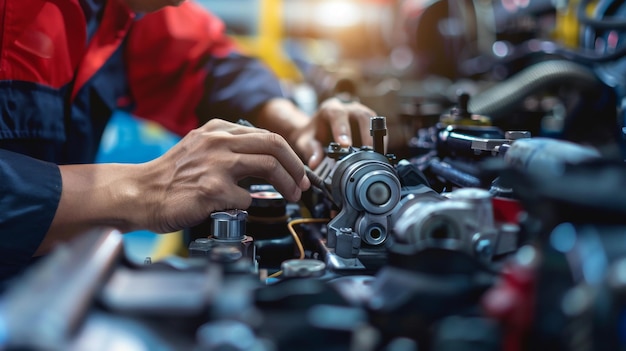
[(495, 219)]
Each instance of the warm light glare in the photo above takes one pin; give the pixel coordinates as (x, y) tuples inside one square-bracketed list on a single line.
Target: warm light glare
[(338, 14)]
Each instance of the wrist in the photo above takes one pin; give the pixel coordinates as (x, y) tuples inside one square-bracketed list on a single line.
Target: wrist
[(283, 117)]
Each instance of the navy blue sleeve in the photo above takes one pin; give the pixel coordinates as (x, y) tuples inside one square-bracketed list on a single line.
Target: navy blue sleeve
[(30, 191), (236, 87)]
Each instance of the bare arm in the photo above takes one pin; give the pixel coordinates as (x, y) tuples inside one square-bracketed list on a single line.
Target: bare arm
[(181, 188)]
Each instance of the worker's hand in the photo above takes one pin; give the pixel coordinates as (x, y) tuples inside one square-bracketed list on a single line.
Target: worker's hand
[(199, 175), (334, 121)]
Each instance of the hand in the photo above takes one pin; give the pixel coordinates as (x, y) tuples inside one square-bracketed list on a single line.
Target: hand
[(309, 136), (199, 175)]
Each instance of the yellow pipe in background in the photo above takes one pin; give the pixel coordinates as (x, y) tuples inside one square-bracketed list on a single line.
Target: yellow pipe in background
[(567, 29), (268, 46)]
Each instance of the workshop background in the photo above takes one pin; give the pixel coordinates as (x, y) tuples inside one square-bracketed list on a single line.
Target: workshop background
[(405, 59), (495, 218)]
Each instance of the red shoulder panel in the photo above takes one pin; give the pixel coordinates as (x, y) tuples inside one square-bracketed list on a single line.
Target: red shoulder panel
[(41, 41), (116, 22), (165, 57)]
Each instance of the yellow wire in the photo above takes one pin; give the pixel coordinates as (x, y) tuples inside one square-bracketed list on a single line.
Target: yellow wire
[(275, 274), (296, 238), (295, 235)]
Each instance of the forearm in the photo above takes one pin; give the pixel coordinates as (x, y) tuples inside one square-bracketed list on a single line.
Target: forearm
[(96, 195), (283, 117)]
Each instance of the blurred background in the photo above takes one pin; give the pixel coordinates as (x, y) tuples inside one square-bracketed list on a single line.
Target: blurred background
[(410, 59)]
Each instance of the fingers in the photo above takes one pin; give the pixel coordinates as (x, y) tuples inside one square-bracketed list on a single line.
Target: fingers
[(269, 156), (338, 116), (316, 153)]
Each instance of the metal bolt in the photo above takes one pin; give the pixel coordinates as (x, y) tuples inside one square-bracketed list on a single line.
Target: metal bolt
[(517, 134), (334, 146), (484, 248)]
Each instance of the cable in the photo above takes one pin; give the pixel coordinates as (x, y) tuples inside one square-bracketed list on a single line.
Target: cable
[(590, 56), (296, 238), (317, 182), (295, 235), (274, 275), (607, 23)]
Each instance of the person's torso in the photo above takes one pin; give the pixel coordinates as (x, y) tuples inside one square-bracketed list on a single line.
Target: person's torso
[(61, 74)]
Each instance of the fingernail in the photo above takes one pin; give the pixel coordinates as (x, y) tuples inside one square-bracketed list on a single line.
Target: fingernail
[(313, 159), (305, 183), (296, 195), (344, 140)]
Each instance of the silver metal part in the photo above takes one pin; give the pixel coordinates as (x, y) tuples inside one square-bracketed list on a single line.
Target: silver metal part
[(517, 134), (491, 145), (369, 189), (464, 222), (229, 225), (480, 200), (348, 243), (303, 268)]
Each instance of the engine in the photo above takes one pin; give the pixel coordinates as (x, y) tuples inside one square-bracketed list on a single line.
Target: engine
[(490, 213)]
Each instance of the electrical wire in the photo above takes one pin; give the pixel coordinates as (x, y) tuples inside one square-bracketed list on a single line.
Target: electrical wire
[(296, 238), (275, 275)]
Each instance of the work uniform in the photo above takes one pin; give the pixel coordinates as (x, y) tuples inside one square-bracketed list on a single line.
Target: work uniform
[(65, 65)]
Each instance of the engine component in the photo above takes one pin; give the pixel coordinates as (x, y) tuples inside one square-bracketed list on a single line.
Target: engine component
[(304, 268), (228, 243), (464, 222), (369, 188)]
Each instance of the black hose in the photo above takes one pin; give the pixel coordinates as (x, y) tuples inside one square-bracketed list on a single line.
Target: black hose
[(497, 101), (589, 56), (607, 23)]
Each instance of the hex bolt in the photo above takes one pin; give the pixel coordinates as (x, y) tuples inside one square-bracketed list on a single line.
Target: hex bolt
[(484, 248)]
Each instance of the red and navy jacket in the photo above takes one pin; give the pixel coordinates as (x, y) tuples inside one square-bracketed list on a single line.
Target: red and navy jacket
[(65, 65)]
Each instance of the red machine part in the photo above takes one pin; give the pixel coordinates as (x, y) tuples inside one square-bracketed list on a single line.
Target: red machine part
[(511, 301)]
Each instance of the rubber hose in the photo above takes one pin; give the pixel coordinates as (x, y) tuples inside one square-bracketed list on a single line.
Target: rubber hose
[(499, 99)]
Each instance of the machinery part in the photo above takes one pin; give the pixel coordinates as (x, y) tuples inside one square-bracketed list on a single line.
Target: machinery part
[(498, 100), (378, 130), (465, 141), (227, 335), (181, 292), (268, 216), (229, 225), (543, 155), (369, 189), (460, 115), (607, 23), (305, 268), (453, 175), (228, 245), (464, 223), (356, 289), (348, 243), (44, 310)]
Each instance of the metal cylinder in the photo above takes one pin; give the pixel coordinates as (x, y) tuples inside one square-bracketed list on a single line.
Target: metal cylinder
[(229, 225), (378, 130)]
